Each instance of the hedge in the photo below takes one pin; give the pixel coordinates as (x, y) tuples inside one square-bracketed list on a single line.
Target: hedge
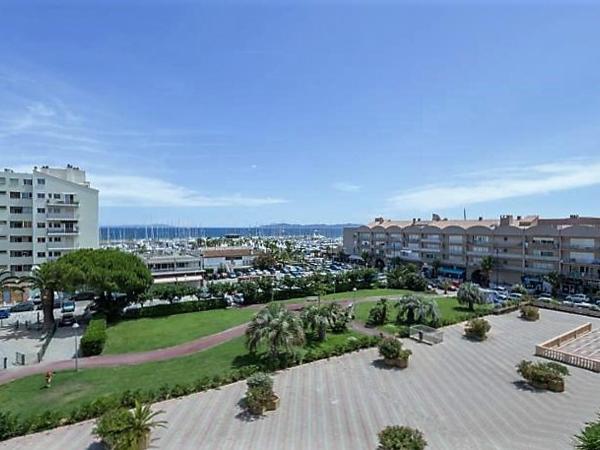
[(12, 425), (92, 341), (175, 308)]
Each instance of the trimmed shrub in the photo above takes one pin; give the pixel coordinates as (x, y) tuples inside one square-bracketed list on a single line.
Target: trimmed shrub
[(530, 313), (543, 375), (477, 329), (94, 338), (175, 308), (401, 438), (379, 313)]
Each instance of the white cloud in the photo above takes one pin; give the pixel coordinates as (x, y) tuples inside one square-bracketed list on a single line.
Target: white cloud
[(502, 184), (345, 187), (128, 190)]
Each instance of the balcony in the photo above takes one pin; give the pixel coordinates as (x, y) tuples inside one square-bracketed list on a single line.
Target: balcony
[(66, 216), (62, 202), (62, 231), (543, 258)]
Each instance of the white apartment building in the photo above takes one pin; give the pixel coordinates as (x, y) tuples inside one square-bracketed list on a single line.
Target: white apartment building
[(45, 214), (524, 249)]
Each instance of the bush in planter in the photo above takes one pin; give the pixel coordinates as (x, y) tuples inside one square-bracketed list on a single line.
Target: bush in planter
[(589, 438), (392, 352), (401, 438), (530, 313), (544, 375), (477, 329), (121, 429), (260, 395)]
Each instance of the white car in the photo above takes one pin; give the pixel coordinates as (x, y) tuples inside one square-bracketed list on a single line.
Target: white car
[(578, 298), (544, 299), (515, 296)]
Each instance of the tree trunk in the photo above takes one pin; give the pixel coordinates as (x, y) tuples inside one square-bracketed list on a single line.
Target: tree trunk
[(48, 308)]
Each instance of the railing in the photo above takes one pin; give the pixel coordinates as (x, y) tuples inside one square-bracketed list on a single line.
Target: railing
[(549, 349)]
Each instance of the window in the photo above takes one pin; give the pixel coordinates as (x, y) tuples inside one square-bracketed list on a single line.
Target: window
[(41, 195), (56, 196), (41, 225), (26, 195), (41, 210), (15, 195), (14, 181), (2, 180), (16, 210), (27, 182), (41, 254), (41, 181), (41, 240), (20, 239)]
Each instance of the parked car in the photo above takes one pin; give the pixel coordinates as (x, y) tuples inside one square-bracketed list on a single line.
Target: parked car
[(544, 299), (23, 306), (515, 296), (68, 306), (67, 319), (4, 313), (83, 296), (578, 298)]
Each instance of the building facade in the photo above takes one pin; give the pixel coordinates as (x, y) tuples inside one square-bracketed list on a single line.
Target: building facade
[(524, 249), (45, 214)]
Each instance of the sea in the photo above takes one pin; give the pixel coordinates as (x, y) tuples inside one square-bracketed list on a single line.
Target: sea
[(159, 232)]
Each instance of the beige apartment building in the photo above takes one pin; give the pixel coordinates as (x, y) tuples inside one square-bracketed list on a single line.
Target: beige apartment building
[(524, 248)]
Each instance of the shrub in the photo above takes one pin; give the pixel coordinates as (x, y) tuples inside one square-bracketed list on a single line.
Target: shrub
[(391, 348), (477, 329), (530, 313), (378, 315), (122, 429), (545, 375), (94, 338), (9, 425), (401, 438), (589, 438), (260, 392)]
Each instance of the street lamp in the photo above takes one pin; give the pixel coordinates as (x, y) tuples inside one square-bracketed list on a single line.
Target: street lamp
[(76, 328)]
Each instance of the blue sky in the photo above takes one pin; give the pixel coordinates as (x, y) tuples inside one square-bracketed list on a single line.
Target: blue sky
[(243, 114)]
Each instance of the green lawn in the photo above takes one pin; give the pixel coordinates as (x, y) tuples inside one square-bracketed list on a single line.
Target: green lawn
[(70, 389), (148, 334), (153, 333), (449, 308), (359, 294)]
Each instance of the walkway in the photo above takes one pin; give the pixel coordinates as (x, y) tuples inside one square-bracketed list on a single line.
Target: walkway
[(461, 394), (162, 354)]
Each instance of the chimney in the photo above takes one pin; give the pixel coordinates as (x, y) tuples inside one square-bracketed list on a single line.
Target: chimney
[(379, 220), (435, 217), (480, 218), (414, 221), (506, 220)]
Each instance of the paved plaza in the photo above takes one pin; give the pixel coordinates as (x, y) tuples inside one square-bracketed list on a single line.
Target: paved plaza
[(461, 394)]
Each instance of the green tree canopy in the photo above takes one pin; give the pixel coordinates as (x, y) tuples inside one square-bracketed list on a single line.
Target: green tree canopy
[(106, 272)]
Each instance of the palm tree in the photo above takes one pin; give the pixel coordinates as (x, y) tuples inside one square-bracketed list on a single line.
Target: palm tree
[(277, 328), (487, 265), (415, 309), (142, 424), (48, 278), (470, 295), (315, 320)]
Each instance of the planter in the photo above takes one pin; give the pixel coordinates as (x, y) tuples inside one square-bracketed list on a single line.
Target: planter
[(556, 385), (273, 403), (398, 362), (539, 384), (257, 410)]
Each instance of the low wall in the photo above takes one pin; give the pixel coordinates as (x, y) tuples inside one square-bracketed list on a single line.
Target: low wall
[(566, 308), (549, 349)]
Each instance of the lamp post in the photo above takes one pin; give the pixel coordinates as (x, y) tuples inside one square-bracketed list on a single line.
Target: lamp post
[(76, 328)]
